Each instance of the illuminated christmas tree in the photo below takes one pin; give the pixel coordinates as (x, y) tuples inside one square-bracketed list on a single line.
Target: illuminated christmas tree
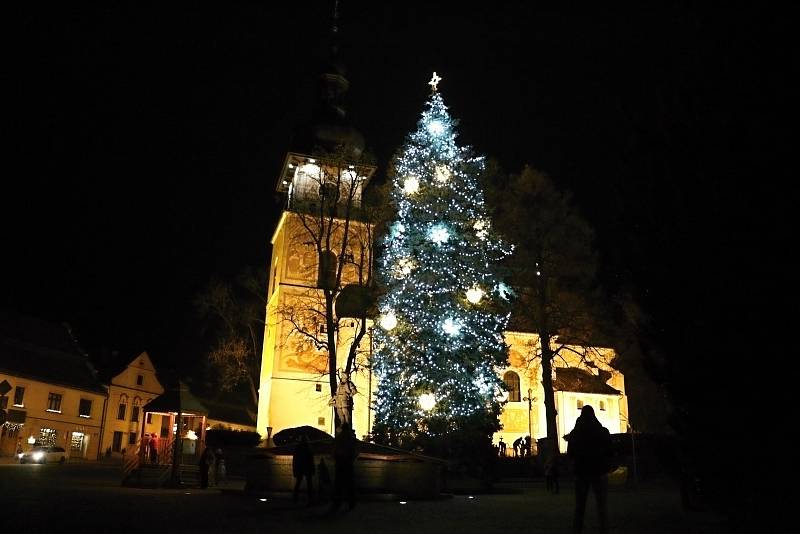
[(439, 337)]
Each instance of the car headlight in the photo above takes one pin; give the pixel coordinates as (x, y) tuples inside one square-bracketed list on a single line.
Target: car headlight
[(38, 455)]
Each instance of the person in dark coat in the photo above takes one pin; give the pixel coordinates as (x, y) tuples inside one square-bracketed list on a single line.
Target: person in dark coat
[(590, 448), (206, 461), (344, 454), (303, 468)]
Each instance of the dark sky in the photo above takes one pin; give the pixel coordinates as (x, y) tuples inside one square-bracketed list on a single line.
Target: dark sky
[(144, 142)]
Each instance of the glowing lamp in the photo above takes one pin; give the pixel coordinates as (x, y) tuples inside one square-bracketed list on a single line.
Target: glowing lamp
[(191, 435), (439, 234), (441, 173), (451, 327), (427, 401), (474, 295), (436, 127), (411, 185), (31, 440), (388, 321)]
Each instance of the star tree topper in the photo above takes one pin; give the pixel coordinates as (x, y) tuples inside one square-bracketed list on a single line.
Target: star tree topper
[(434, 83)]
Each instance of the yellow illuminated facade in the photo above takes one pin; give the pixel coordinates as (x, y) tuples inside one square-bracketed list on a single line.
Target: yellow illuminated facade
[(294, 385), (128, 392)]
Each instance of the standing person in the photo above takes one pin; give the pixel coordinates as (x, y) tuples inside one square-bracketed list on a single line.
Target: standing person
[(502, 447), (303, 468), (589, 446), (344, 455), (219, 466), (551, 472), (146, 447), (205, 462), (517, 446), (154, 448)]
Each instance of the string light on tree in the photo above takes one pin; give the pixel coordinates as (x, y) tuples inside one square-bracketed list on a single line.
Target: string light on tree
[(474, 294), (388, 321), (437, 263), (441, 174), (411, 185), (427, 401)]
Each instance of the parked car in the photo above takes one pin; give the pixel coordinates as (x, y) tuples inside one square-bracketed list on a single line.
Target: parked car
[(43, 454)]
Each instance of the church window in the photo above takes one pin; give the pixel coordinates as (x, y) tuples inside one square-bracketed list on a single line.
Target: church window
[(511, 380), (318, 387), (602, 405), (579, 404)]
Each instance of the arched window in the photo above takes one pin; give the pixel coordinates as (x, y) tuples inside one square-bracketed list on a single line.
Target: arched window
[(511, 380), (326, 275), (602, 405), (137, 402), (123, 407)]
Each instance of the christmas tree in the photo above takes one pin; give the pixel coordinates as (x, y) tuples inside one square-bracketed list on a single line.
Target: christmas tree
[(439, 339)]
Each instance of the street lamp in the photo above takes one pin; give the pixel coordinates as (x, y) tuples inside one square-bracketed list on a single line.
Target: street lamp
[(530, 407)]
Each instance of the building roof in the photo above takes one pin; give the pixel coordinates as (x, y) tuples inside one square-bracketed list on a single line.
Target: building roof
[(230, 413), (175, 399), (38, 350), (580, 381)]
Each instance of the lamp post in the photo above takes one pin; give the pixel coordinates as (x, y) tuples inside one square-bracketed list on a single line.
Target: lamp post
[(530, 407)]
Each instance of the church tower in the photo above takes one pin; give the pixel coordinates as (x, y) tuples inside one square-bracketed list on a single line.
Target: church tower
[(321, 249)]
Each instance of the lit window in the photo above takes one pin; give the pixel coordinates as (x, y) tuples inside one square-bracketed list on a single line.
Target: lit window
[(19, 395), (511, 380), (47, 436)]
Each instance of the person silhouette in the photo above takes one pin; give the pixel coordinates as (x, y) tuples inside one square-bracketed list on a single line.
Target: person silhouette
[(344, 454), (517, 446), (502, 447), (303, 468), (551, 473), (205, 462), (590, 449)]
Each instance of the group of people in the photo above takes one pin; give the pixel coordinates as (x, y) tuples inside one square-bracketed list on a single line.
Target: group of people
[(212, 467), (150, 444), (345, 452), (521, 447)]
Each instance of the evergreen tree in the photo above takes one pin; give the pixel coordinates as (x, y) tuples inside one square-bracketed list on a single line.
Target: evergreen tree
[(440, 331)]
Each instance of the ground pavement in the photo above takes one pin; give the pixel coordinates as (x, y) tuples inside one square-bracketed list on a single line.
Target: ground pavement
[(88, 498)]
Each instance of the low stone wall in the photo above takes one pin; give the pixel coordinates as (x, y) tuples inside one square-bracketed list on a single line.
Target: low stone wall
[(379, 474)]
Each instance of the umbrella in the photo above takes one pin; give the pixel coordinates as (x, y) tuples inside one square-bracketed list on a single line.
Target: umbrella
[(288, 436)]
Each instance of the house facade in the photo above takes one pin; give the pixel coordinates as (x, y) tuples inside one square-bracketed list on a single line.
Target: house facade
[(129, 390), (54, 396)]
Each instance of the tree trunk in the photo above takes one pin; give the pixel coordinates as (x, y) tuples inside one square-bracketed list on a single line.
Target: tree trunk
[(549, 394), (547, 360)]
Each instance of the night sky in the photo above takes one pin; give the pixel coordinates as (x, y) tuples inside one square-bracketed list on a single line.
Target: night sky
[(145, 141)]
